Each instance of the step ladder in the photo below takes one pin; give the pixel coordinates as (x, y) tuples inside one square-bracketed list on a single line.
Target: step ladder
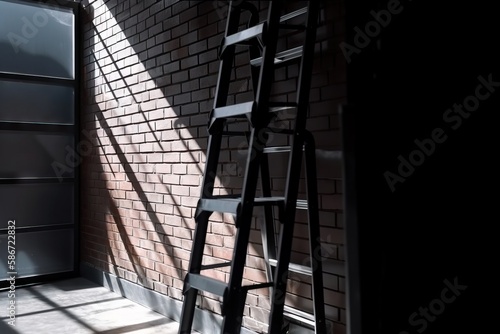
[(261, 38)]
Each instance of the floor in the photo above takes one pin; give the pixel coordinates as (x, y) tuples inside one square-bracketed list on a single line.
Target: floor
[(78, 306)]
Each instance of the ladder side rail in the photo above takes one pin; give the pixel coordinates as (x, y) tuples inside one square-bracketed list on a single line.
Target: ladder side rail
[(258, 138), (294, 169), (315, 250)]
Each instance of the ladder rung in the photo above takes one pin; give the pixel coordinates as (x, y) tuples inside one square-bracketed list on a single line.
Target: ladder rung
[(301, 316), (280, 149), (258, 286), (277, 149), (205, 283), (231, 205), (281, 57), (277, 106), (293, 267), (329, 266), (240, 109), (215, 265), (302, 204), (227, 205), (246, 108), (243, 36), (269, 201), (293, 14)]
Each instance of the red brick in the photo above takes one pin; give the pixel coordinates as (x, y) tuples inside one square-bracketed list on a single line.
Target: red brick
[(171, 72)]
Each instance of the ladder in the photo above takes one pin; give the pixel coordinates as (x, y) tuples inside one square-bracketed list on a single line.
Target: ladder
[(261, 39)]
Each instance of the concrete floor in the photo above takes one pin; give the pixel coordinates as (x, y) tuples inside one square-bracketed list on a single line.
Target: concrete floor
[(78, 306)]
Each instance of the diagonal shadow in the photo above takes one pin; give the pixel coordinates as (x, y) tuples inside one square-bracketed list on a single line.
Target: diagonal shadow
[(65, 307), (142, 197), (116, 98), (136, 327), (113, 62), (129, 172), (63, 310)]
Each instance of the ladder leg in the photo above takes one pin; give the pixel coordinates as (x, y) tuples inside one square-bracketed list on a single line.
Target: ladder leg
[(188, 307), (200, 234), (286, 236), (233, 317), (314, 235), (267, 225), (226, 64), (233, 314), (234, 326), (294, 168)]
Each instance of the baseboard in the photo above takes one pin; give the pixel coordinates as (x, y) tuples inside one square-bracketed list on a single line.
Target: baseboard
[(204, 321)]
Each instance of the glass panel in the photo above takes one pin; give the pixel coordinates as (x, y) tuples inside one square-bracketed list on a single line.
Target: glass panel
[(36, 154), (36, 39), (46, 103), (49, 204), (39, 253)]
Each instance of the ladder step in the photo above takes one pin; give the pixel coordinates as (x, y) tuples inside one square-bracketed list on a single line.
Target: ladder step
[(245, 109), (242, 37), (269, 201), (277, 149), (302, 204), (329, 266), (235, 110), (281, 57), (227, 205), (293, 267), (239, 110), (215, 265), (258, 286), (301, 316), (231, 205), (280, 106), (204, 283), (293, 14)]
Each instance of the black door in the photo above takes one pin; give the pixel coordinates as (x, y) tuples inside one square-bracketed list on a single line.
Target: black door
[(38, 137)]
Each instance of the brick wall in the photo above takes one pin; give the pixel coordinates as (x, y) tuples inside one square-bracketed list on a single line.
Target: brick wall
[(150, 69)]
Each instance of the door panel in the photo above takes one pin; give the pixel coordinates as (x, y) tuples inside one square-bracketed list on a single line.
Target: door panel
[(38, 133)]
